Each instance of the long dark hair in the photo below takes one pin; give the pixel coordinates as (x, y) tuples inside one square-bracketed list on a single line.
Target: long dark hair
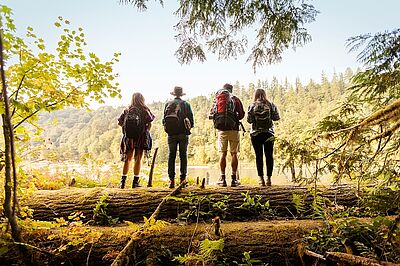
[(259, 95), (138, 101)]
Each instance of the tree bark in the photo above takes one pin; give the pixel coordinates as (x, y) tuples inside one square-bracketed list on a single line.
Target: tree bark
[(339, 258), (127, 250), (11, 184), (153, 163), (273, 242), (134, 204)]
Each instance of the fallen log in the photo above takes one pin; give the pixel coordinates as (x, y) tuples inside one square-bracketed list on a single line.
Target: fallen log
[(134, 204), (274, 243)]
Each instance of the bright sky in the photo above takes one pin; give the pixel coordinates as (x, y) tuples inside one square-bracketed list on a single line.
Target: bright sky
[(146, 41)]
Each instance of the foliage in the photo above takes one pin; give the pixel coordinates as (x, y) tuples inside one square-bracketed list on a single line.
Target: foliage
[(207, 254), (40, 80), (204, 207), (298, 201), (365, 141), (375, 239), (254, 204), (152, 224), (248, 261), (100, 216), (220, 25)]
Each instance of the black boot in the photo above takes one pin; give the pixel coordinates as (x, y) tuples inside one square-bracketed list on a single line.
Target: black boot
[(122, 184), (262, 181), (222, 181), (268, 181), (234, 182), (135, 182)]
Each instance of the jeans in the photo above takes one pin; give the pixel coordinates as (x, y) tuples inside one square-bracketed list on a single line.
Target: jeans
[(263, 144), (174, 141)]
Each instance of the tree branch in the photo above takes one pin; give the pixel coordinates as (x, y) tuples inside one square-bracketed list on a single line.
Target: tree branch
[(38, 110)]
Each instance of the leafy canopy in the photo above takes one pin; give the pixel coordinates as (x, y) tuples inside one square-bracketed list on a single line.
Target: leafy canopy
[(43, 80), (217, 26)]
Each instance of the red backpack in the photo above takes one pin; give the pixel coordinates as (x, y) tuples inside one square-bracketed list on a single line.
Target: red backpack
[(224, 115)]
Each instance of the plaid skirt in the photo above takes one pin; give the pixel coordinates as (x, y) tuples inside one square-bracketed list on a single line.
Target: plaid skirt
[(144, 142)]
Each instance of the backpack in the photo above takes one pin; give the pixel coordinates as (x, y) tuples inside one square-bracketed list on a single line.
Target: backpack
[(173, 119), (224, 115), (133, 126), (262, 116)]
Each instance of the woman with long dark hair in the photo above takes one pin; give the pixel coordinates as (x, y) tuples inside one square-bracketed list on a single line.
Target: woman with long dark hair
[(261, 114), (135, 122)]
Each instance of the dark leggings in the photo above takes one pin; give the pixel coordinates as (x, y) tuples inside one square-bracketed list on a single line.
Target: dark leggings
[(261, 142)]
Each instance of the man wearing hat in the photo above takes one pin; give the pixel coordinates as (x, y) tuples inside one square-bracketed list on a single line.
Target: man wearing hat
[(177, 121)]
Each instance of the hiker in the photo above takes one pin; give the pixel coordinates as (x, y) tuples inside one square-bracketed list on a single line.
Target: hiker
[(135, 122), (227, 111), (177, 121), (261, 114)]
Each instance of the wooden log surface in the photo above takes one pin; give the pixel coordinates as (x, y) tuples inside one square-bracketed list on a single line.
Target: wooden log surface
[(274, 243), (134, 204)]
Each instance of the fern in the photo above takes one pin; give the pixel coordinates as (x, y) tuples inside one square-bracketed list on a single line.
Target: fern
[(298, 201), (208, 251)]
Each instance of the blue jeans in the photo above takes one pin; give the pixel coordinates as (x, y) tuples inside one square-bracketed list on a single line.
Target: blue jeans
[(182, 141)]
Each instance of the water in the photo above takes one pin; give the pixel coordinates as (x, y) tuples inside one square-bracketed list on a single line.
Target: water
[(247, 174)]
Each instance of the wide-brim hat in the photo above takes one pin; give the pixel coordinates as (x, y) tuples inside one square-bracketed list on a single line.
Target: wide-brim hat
[(178, 91)]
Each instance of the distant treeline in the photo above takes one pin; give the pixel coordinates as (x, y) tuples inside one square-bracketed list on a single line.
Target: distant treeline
[(78, 135)]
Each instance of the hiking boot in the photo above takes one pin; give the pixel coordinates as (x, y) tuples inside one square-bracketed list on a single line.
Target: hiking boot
[(234, 182), (268, 181), (222, 181), (262, 181), (172, 183), (183, 180), (122, 184), (135, 182)]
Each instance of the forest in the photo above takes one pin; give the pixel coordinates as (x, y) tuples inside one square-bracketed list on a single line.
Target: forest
[(338, 144)]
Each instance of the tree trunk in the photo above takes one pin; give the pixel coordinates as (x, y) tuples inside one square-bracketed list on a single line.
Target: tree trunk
[(134, 204), (10, 198)]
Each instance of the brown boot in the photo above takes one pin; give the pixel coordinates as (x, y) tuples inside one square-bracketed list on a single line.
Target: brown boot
[(172, 183), (135, 182), (262, 181), (222, 181), (268, 181), (183, 179), (123, 180)]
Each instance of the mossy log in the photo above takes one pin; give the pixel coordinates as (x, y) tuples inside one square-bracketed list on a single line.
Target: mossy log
[(134, 204), (275, 243)]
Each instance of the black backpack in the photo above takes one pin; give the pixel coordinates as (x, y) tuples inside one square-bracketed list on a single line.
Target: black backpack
[(133, 126), (262, 116), (174, 118), (224, 117)]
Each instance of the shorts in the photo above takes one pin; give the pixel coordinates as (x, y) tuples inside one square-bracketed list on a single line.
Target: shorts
[(230, 136)]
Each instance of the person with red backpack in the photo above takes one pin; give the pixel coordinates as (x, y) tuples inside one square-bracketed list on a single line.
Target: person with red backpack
[(261, 114), (178, 121), (227, 111), (136, 123)]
